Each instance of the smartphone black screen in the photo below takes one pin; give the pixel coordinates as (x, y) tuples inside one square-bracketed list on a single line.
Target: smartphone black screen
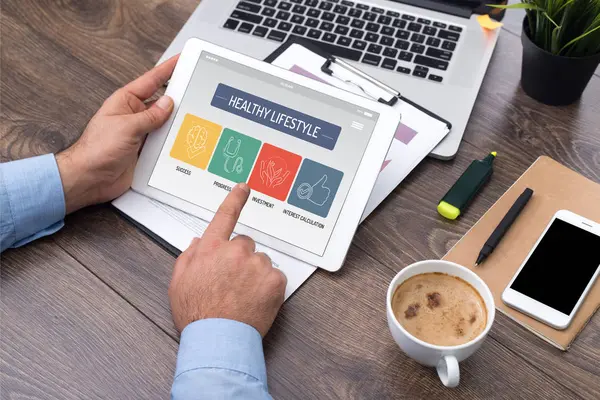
[(560, 267)]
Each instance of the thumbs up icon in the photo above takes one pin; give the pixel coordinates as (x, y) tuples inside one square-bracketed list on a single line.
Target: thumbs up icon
[(317, 194)]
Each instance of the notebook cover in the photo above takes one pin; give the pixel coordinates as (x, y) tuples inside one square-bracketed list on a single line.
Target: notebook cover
[(555, 187)]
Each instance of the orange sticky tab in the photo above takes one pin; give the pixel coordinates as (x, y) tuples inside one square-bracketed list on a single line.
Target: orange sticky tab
[(487, 23)]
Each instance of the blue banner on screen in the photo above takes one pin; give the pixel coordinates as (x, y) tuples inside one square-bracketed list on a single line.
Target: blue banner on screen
[(276, 116)]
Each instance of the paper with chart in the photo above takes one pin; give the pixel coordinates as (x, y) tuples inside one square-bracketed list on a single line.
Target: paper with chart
[(416, 136)]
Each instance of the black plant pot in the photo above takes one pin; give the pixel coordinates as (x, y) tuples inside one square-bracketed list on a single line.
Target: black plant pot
[(551, 79)]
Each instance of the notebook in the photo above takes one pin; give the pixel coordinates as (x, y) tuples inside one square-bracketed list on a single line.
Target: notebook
[(555, 187)]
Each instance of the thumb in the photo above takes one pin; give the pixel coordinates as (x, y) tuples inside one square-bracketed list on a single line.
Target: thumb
[(322, 181), (153, 118)]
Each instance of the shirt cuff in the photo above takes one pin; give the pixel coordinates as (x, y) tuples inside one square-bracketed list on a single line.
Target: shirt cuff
[(35, 197), (222, 343)]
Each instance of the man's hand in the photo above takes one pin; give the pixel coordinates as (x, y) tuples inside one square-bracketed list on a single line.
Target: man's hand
[(100, 165), (221, 278)]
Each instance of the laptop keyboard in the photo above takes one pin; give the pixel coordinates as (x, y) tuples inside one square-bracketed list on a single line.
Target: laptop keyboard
[(384, 38)]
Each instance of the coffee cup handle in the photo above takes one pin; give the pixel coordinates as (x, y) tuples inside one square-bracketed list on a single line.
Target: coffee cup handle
[(448, 371)]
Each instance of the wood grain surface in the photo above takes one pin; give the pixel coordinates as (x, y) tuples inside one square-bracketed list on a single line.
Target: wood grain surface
[(67, 335), (85, 313)]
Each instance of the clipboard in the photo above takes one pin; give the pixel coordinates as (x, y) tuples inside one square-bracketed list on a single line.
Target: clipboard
[(331, 60), (418, 134)]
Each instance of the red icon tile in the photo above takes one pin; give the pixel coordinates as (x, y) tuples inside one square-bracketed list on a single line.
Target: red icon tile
[(274, 171)]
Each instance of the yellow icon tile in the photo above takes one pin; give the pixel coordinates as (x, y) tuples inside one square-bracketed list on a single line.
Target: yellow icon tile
[(196, 141)]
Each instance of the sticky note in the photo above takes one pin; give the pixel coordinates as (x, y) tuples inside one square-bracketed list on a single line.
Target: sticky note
[(487, 23)]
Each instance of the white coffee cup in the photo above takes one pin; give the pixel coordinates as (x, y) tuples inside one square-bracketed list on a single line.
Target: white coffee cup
[(444, 358)]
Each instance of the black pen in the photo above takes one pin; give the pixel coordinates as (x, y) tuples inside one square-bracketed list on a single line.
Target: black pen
[(504, 225)]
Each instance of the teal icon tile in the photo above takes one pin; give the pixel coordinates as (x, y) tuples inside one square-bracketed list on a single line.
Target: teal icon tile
[(234, 156)]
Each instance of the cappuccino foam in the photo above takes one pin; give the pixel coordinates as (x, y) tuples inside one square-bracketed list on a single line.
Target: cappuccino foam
[(440, 309)]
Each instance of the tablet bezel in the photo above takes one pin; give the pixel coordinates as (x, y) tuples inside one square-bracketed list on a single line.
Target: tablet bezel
[(357, 197)]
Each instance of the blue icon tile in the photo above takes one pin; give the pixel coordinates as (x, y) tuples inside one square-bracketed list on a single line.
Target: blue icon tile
[(315, 187)]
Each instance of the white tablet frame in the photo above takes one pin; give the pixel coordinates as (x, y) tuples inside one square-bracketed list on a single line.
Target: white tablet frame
[(361, 186)]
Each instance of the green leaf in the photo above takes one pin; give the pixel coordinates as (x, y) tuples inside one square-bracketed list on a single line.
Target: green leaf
[(554, 49), (578, 38), (564, 5), (550, 19), (563, 27)]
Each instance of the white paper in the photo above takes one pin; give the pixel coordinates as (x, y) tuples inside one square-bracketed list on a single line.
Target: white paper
[(178, 229), (403, 155)]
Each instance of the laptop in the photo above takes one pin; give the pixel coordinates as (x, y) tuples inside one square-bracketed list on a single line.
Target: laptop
[(433, 52)]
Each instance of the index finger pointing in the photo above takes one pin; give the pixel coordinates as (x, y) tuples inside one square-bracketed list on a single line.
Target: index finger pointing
[(146, 85), (223, 223)]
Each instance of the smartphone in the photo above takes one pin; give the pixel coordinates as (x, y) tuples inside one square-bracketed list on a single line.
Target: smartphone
[(559, 271)]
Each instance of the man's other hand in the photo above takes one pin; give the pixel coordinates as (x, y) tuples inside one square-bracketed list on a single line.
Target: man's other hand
[(221, 278), (99, 166)]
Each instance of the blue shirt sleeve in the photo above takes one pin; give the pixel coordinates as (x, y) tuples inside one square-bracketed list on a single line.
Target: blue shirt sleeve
[(220, 359), (32, 202)]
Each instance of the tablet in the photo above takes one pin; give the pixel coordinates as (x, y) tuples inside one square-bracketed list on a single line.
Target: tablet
[(310, 152)]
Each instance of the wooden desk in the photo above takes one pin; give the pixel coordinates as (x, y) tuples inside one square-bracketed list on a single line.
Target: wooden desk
[(85, 312)]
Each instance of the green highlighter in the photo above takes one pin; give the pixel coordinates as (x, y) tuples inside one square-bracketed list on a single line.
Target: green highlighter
[(466, 187)]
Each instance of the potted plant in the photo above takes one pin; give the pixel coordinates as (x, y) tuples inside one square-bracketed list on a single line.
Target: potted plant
[(561, 48)]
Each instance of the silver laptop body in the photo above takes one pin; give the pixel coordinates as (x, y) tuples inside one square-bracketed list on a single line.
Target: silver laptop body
[(434, 58)]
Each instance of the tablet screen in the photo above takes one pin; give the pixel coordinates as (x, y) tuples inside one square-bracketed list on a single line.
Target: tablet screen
[(297, 149)]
